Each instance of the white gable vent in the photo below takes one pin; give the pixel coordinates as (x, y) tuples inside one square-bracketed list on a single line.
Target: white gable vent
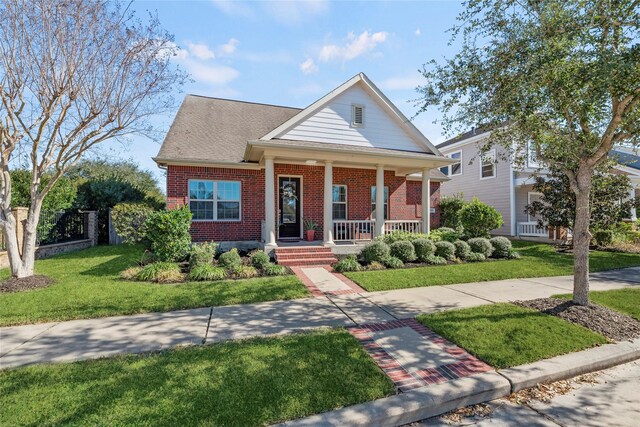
[(357, 115)]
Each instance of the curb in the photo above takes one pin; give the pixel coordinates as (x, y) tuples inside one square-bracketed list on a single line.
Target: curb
[(571, 365), (438, 399)]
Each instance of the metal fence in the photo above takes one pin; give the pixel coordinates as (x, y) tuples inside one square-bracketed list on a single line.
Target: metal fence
[(61, 226)]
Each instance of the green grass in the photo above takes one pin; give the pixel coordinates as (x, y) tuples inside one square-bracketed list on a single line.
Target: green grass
[(538, 260), (88, 285), (242, 383), (625, 301), (505, 335)]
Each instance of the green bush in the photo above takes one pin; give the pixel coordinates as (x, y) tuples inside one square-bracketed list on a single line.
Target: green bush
[(444, 233), (202, 253), (398, 236), (450, 207), (501, 247), (462, 249), (392, 262), (244, 271), (375, 265), (350, 263), (513, 254), (475, 257), (375, 251), (275, 270), (423, 248), (480, 245), (207, 272), (403, 250), (478, 218), (436, 260), (259, 259), (230, 259), (160, 272), (603, 237), (446, 250), (129, 221), (168, 233)]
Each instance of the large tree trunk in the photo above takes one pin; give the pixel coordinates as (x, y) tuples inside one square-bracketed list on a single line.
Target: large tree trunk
[(582, 236), (22, 262)]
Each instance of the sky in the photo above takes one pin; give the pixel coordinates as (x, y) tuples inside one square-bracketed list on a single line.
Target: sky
[(292, 53)]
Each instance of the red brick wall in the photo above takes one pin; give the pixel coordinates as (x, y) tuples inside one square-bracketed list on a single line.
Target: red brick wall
[(404, 197)]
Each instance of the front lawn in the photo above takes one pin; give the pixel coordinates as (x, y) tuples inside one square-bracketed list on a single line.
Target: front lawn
[(243, 383), (88, 285), (538, 260), (625, 301), (504, 335)]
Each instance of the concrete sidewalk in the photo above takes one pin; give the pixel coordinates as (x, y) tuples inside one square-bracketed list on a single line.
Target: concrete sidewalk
[(93, 338)]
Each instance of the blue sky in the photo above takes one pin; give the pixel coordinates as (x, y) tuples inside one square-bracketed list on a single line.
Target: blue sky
[(292, 53)]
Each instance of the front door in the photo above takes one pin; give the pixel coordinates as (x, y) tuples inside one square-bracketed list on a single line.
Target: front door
[(289, 205)]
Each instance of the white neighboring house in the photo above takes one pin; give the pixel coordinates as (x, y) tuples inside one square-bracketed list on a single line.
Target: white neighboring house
[(495, 180)]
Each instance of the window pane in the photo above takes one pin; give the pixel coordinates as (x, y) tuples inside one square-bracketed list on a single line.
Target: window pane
[(456, 168), (456, 155), (487, 170), (339, 193), (202, 190), (201, 210), (229, 191), (339, 211), (228, 210), (445, 170)]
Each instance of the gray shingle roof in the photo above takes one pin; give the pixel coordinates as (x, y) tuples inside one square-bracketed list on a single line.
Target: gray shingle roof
[(469, 134), (626, 159), (217, 130)]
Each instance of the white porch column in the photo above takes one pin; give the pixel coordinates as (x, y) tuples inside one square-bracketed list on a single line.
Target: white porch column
[(379, 200), (426, 201), (269, 203), (634, 214), (328, 204)]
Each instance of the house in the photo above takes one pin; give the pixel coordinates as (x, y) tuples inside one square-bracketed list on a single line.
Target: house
[(253, 174), (497, 181)]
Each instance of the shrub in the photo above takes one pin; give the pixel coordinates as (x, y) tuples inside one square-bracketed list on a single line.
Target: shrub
[(398, 236), (230, 260), (202, 253), (501, 247), (159, 272), (462, 249), (375, 251), (350, 263), (478, 218), (446, 250), (423, 248), (450, 207), (129, 221), (168, 233), (244, 271), (207, 272), (392, 262), (403, 250), (375, 265), (475, 257), (480, 245), (259, 259), (436, 260), (275, 270), (130, 273), (513, 254), (603, 237), (444, 233)]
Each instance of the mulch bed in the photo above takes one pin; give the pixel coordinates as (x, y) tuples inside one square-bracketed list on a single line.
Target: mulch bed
[(613, 325), (25, 284)]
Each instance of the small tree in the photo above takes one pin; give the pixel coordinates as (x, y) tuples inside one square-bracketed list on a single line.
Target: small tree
[(450, 210), (61, 196), (478, 218), (73, 74)]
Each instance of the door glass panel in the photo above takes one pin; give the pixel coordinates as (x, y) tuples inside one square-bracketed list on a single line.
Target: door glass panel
[(289, 201)]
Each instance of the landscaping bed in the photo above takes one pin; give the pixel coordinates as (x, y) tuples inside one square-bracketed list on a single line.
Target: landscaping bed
[(243, 383), (13, 284)]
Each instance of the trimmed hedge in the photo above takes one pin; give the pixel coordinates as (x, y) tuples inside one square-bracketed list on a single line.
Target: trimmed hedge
[(446, 250), (259, 259), (501, 247), (478, 218), (403, 250), (375, 251), (129, 221), (392, 262), (462, 249), (230, 260), (480, 245), (168, 233), (424, 248), (436, 260), (475, 257)]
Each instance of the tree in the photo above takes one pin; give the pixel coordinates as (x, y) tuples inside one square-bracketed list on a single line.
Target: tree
[(450, 207), (73, 74), (558, 77), (609, 199), (61, 196)]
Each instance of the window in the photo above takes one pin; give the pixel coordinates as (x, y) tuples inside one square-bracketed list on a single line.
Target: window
[(357, 115), (488, 165), (386, 202), (532, 155), (339, 202), (456, 168), (214, 200)]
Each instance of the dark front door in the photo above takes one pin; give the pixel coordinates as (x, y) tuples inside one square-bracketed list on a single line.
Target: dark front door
[(289, 215)]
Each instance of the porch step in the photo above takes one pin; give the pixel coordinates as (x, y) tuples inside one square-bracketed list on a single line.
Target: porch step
[(299, 262), (299, 256)]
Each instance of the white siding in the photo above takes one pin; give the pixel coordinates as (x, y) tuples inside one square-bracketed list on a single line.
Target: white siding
[(332, 124), (493, 191)]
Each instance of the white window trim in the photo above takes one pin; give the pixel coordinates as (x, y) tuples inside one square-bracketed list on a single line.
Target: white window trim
[(345, 203), (353, 116), (450, 155), (492, 153), (373, 201), (531, 164), (529, 194), (215, 200)]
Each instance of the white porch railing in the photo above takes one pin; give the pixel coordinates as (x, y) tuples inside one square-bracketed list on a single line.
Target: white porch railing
[(353, 230), (407, 226), (531, 229)]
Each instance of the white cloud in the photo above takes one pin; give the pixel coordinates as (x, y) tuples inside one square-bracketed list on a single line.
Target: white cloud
[(309, 66), (402, 83), (295, 12), (229, 47), (354, 47), (200, 51), (171, 50), (211, 74), (418, 32)]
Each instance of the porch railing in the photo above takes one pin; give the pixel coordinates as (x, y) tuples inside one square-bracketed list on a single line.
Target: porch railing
[(531, 229), (406, 226), (362, 230)]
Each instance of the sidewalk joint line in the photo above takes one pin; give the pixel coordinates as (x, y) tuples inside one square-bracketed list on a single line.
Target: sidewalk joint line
[(545, 416), (472, 295), (343, 312), (30, 339), (365, 296)]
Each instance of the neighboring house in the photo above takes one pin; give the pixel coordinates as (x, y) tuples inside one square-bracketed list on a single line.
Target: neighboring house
[(333, 163), (495, 180)]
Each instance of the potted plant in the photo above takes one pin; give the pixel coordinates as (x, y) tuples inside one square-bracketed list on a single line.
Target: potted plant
[(310, 229)]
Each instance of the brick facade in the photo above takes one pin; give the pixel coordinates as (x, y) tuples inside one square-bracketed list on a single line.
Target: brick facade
[(404, 197)]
